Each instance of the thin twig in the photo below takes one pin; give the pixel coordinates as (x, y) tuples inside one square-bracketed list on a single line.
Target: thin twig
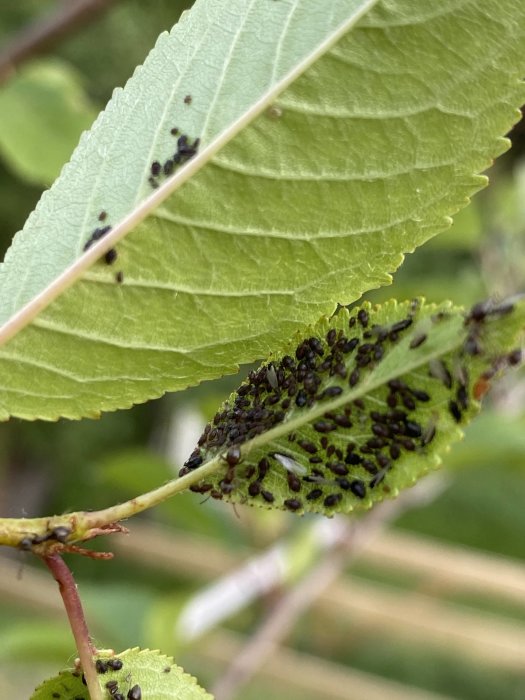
[(42, 34), (284, 615), (77, 621)]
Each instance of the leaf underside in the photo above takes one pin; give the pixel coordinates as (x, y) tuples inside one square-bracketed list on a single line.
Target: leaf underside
[(358, 410), (363, 158), (155, 674)]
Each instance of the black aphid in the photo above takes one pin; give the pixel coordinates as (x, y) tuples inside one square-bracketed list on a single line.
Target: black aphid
[(363, 360), (343, 421), (401, 325), (314, 495), (188, 99), (155, 168), (294, 483), (60, 533), (182, 143), (293, 504), (462, 397), (391, 400), (454, 411), (168, 167), (514, 357), (383, 461), (193, 462), (394, 450), (378, 352), (407, 444), (331, 392), (397, 385), (380, 430), (358, 488), (153, 182), (413, 429), (408, 402), (331, 336), (263, 467), (254, 489), (369, 466), (354, 377), (350, 345), (322, 426), (301, 399), (307, 446), (338, 468), (135, 693), (115, 664), (362, 317), (365, 348), (418, 340), (110, 256), (174, 131), (343, 483), (101, 666), (112, 686), (119, 277), (97, 234), (102, 216), (420, 395), (233, 456), (201, 488), (332, 500), (268, 497)]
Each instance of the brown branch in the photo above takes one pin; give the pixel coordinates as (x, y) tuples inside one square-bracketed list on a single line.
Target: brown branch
[(75, 613), (41, 35)]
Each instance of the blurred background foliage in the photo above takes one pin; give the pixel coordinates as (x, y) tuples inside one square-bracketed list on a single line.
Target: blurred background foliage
[(45, 104)]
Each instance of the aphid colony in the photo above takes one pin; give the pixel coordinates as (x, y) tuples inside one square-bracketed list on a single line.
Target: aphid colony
[(185, 151), (348, 451), (336, 462), (112, 686), (111, 255), (56, 534)]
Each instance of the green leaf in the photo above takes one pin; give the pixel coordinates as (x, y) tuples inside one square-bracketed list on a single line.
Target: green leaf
[(156, 675), (43, 111), (331, 144), (360, 408)]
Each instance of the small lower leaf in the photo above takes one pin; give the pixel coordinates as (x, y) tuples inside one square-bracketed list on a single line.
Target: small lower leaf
[(360, 408), (136, 674)]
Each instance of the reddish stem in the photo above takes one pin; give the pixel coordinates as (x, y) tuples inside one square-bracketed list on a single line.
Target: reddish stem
[(69, 592)]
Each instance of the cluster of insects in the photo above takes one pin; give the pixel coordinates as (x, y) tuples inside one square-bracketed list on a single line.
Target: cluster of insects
[(56, 534), (186, 149), (111, 256), (475, 320), (112, 686), (337, 461), (348, 450)]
